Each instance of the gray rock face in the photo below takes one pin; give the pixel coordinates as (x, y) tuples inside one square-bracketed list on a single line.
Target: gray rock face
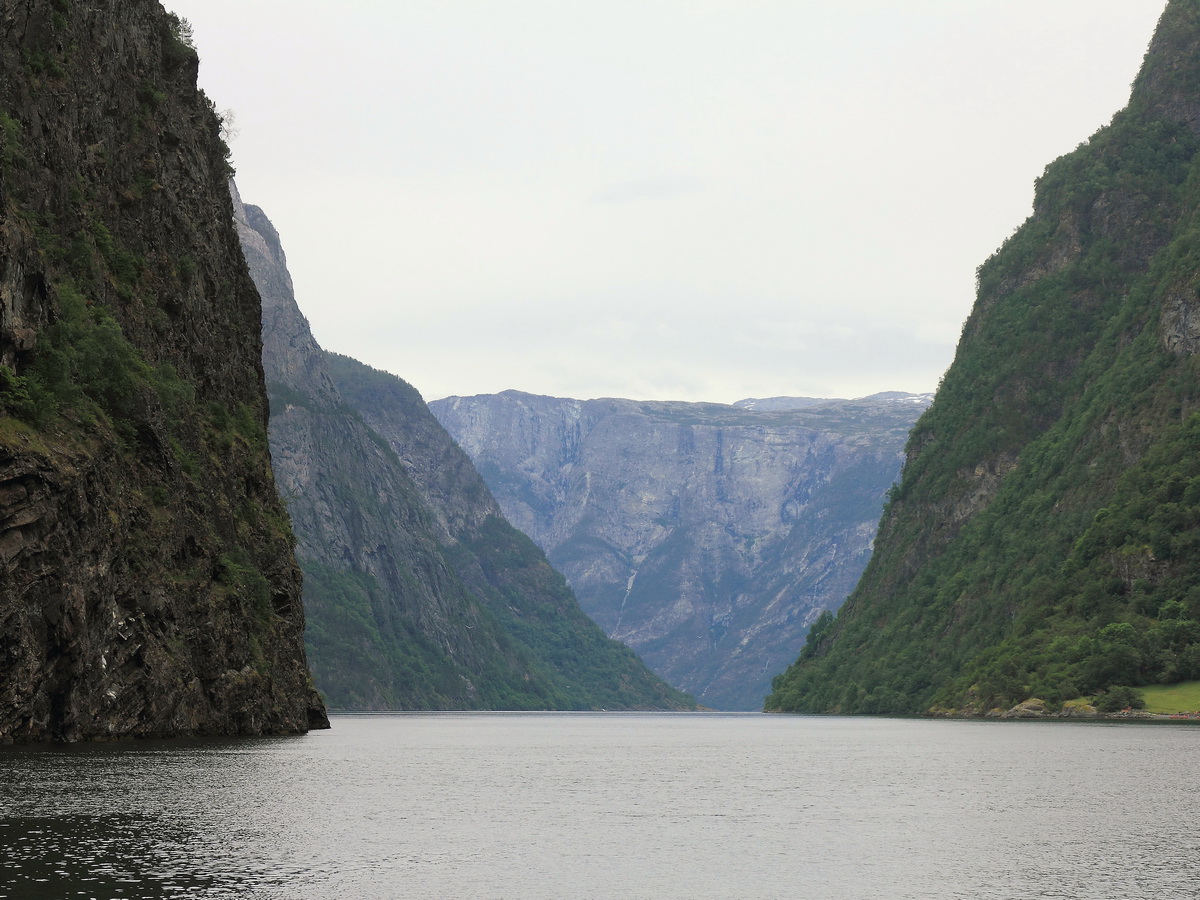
[(707, 537)]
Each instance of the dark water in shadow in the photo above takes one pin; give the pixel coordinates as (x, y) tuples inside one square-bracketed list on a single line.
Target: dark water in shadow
[(613, 805)]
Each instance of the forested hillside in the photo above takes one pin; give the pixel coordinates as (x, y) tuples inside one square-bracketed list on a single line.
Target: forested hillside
[(499, 567), (1044, 540)]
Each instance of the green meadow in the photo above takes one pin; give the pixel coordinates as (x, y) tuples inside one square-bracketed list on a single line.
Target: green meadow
[(1172, 698)]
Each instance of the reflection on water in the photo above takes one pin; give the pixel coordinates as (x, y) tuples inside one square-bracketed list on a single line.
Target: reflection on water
[(138, 820), (612, 805), (110, 856)]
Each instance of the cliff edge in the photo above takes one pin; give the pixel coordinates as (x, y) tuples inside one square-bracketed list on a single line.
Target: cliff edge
[(147, 583)]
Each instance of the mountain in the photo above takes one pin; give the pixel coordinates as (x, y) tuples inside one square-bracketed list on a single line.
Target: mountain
[(708, 537), (1043, 542), (419, 594), (147, 583)]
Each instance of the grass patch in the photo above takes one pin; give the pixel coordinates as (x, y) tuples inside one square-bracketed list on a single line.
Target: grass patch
[(14, 431), (1172, 698)]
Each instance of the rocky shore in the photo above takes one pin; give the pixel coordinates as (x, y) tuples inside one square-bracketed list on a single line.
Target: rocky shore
[(1034, 708)]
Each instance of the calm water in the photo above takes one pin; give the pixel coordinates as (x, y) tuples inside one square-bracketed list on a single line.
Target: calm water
[(613, 806)]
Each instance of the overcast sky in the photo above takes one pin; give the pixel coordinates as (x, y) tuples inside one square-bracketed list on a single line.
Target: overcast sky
[(656, 199)]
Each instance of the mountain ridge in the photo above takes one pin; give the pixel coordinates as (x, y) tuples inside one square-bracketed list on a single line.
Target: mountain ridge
[(419, 594)]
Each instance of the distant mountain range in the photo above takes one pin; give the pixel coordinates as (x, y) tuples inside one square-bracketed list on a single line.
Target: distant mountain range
[(706, 536), (779, 404)]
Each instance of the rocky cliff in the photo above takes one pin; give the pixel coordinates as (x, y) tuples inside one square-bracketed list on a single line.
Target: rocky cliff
[(147, 584), (419, 594), (1042, 543), (707, 537)]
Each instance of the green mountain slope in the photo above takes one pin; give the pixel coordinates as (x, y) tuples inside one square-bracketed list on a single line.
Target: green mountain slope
[(418, 594), (500, 566), (1043, 539)]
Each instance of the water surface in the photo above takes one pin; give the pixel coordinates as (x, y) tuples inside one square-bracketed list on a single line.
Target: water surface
[(607, 805)]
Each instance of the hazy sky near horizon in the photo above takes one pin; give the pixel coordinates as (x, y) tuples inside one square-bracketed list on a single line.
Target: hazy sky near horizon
[(656, 199)]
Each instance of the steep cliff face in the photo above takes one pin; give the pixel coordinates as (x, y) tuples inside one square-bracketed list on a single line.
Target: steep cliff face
[(1042, 541), (705, 536), (419, 594), (147, 584)]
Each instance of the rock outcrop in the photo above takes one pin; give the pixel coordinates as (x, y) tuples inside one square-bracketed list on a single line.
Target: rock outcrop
[(147, 583), (708, 537), (419, 594)]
